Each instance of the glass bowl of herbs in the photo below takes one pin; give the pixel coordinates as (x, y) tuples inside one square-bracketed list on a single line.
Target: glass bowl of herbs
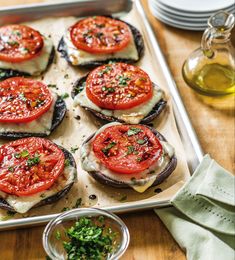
[(86, 233)]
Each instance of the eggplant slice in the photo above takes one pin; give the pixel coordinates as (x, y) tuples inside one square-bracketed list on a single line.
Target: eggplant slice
[(139, 43), (103, 179), (58, 116), (54, 197), (9, 73), (157, 109)]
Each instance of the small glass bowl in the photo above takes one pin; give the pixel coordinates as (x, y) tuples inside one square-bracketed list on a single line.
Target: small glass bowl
[(54, 247)]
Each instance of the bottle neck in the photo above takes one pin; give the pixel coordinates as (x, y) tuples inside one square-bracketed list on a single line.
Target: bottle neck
[(214, 36)]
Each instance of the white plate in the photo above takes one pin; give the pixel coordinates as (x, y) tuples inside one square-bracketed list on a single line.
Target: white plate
[(173, 24), (188, 14), (179, 17), (198, 6), (157, 13)]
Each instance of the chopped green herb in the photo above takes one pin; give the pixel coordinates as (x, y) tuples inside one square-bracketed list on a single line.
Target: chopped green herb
[(33, 160), (86, 35), (66, 76), (3, 74), (24, 154), (105, 70), (80, 88), (65, 95), (123, 80), (78, 203), (99, 34), (24, 50), (11, 169), (51, 85), (74, 149), (139, 159), (58, 235), (130, 149), (108, 147), (89, 240), (101, 219), (22, 97), (13, 43), (141, 141), (17, 155), (110, 89), (66, 163), (65, 209), (133, 131), (123, 198), (151, 172), (16, 33)]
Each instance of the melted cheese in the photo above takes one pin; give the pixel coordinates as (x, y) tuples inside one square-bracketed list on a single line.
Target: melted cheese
[(139, 182), (132, 116), (34, 66), (24, 203), (79, 57), (40, 125)]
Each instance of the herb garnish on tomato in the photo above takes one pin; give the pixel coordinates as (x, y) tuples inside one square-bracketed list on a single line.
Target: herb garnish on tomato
[(19, 43), (29, 166), (23, 100), (127, 149), (99, 34), (118, 86)]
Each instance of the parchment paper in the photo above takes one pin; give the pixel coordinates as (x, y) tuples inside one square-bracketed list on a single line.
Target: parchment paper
[(72, 132)]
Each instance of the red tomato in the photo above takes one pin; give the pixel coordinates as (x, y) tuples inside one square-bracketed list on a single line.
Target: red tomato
[(29, 166), (19, 43), (118, 86), (127, 149), (23, 100), (99, 34)]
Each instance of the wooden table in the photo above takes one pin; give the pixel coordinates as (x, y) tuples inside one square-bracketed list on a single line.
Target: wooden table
[(214, 126)]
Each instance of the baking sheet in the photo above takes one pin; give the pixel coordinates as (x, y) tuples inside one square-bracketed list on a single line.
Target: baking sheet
[(72, 132)]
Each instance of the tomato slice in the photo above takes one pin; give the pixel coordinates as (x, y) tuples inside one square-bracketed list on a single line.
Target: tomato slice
[(100, 34), (19, 43), (23, 100), (118, 86), (127, 149), (29, 166)]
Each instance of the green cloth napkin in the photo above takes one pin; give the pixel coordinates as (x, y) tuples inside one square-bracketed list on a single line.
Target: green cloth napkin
[(202, 219)]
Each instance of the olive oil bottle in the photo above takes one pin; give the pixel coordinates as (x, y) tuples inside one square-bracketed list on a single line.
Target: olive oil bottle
[(210, 69)]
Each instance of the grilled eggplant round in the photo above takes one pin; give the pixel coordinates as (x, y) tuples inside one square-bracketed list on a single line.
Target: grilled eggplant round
[(9, 73), (55, 197), (160, 177), (157, 109), (58, 116), (139, 43)]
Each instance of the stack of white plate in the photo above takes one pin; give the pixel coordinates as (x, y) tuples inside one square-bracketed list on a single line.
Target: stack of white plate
[(189, 14)]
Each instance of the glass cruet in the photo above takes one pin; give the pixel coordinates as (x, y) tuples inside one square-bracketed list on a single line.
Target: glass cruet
[(210, 69)]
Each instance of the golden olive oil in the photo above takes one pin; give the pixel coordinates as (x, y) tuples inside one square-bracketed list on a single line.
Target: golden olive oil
[(214, 79)]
